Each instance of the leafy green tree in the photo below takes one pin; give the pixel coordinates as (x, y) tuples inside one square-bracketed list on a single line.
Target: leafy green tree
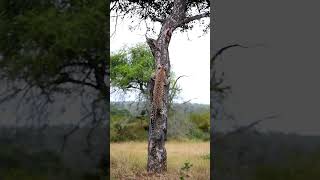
[(202, 121), (131, 70)]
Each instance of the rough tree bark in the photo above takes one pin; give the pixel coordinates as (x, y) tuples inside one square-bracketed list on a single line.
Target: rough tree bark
[(157, 155)]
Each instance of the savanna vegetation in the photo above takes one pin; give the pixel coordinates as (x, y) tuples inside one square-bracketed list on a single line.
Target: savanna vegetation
[(187, 122), (186, 160), (188, 142), (188, 126)]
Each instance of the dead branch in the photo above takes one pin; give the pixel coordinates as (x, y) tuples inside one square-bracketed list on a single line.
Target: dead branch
[(220, 51)]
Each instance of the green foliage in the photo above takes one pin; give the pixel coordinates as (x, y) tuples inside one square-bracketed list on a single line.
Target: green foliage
[(133, 131), (38, 38), (51, 49), (196, 133), (131, 68), (200, 125), (125, 126), (184, 171), (202, 121), (117, 112)]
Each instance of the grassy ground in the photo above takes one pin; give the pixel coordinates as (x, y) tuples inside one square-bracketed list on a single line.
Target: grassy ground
[(129, 160)]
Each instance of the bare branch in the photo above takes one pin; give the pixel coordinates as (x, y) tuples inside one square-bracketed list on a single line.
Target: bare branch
[(192, 18), (152, 44), (174, 88), (175, 82), (81, 83), (64, 78), (13, 94), (220, 51), (114, 5), (116, 24), (185, 102)]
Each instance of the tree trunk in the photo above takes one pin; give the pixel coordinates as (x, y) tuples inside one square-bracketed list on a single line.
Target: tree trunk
[(157, 155)]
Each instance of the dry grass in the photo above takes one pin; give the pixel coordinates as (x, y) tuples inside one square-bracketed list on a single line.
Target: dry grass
[(129, 160)]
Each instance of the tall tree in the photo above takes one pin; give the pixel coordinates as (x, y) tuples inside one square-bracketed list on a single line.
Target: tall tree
[(172, 15), (50, 49)]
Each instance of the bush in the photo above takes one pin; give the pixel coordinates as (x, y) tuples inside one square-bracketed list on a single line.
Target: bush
[(183, 123), (202, 121), (127, 130)]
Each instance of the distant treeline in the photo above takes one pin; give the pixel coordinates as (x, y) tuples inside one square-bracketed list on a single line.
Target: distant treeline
[(130, 121)]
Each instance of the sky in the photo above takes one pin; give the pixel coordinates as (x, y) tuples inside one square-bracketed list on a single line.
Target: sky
[(189, 55)]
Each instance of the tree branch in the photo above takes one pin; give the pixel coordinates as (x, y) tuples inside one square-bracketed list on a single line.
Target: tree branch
[(192, 18), (81, 82), (173, 89), (154, 18), (9, 96), (13, 94), (64, 78), (185, 102), (175, 82), (220, 51)]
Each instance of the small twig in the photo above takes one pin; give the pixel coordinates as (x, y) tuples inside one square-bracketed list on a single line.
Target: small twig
[(220, 51)]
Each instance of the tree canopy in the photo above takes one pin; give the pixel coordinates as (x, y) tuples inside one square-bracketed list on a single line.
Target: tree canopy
[(55, 49), (159, 11), (131, 69), (48, 45)]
